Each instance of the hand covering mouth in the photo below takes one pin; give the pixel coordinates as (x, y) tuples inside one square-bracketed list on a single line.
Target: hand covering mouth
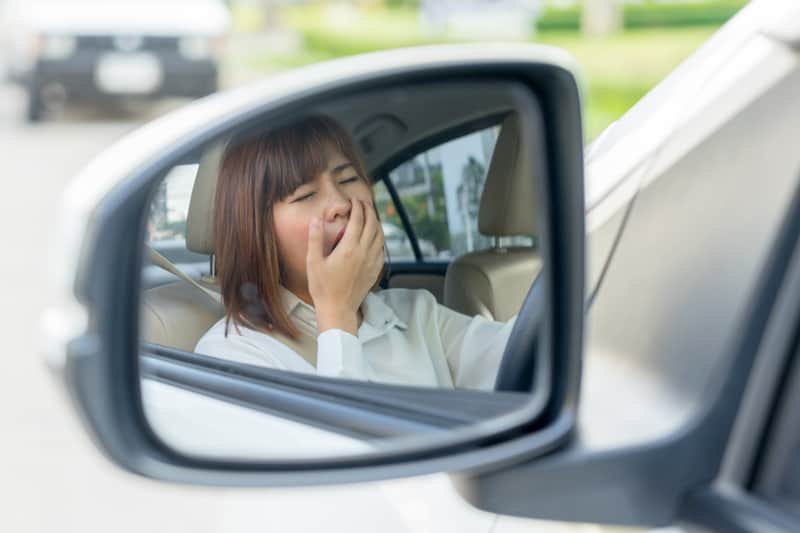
[(339, 236), (337, 239)]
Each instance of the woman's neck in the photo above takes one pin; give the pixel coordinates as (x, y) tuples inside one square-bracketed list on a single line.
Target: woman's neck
[(304, 295)]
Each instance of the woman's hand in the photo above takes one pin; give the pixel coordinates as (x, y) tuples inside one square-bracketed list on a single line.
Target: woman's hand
[(339, 282)]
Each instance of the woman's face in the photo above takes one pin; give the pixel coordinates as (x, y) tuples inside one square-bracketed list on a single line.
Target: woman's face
[(328, 198)]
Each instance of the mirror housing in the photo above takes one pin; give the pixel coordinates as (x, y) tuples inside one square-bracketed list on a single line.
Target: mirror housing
[(94, 333)]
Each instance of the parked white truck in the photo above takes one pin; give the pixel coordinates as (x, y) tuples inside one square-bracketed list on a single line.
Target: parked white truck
[(101, 50)]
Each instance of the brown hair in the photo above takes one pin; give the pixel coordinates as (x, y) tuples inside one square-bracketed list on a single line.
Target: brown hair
[(255, 173)]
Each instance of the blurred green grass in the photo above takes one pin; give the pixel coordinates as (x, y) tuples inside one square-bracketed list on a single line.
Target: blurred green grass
[(616, 71), (647, 14)]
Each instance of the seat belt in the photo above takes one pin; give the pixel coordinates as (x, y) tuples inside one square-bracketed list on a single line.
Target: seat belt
[(305, 346), (159, 260)]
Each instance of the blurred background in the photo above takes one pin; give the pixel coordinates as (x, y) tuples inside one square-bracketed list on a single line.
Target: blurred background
[(623, 48), (130, 60), (75, 75)]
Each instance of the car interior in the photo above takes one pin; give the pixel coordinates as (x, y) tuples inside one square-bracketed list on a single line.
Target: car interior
[(389, 127)]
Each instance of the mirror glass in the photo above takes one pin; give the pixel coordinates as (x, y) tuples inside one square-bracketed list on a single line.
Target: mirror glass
[(341, 278)]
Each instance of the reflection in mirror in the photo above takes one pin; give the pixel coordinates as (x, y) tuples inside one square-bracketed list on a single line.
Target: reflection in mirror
[(340, 282)]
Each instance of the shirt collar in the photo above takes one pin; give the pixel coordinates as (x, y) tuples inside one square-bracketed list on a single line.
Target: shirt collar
[(376, 312), (290, 301)]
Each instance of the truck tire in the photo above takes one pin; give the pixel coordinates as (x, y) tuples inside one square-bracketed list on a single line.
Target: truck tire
[(34, 111)]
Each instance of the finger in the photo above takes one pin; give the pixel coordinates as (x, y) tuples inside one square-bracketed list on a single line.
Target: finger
[(377, 259), (379, 236), (377, 233), (375, 250), (314, 253), (371, 223), (362, 219), (355, 225)]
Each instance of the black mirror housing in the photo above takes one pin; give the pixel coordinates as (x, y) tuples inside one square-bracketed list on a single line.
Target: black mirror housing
[(98, 360)]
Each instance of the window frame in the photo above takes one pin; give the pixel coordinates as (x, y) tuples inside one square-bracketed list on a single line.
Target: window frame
[(768, 415), (165, 182), (175, 249), (358, 409), (407, 154), (778, 450), (745, 496)]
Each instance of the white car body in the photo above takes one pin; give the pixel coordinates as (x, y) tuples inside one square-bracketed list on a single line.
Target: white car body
[(22, 21), (61, 483), (95, 51)]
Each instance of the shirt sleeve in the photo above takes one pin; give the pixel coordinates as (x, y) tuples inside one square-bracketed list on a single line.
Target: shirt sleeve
[(339, 355), (473, 346)]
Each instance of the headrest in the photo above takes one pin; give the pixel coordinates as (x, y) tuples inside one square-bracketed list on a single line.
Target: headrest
[(200, 218), (507, 203)]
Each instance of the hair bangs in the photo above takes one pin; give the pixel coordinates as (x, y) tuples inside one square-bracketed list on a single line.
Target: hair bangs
[(298, 155)]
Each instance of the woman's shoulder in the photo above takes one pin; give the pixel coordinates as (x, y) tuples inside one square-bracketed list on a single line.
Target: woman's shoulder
[(214, 334), (224, 332), (226, 340)]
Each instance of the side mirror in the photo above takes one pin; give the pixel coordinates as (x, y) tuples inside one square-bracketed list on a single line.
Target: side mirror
[(158, 407)]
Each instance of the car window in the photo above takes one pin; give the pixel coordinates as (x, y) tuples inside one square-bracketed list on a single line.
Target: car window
[(440, 190), (398, 244), (170, 205)]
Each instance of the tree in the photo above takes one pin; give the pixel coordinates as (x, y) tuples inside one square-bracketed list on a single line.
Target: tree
[(469, 197), (269, 12), (601, 17)]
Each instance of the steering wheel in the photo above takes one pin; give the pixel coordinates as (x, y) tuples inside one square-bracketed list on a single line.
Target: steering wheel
[(518, 364)]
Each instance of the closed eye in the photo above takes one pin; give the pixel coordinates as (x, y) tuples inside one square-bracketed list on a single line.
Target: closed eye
[(304, 197), (310, 194)]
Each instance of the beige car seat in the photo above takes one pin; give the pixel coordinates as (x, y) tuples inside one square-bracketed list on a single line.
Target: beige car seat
[(178, 314), (493, 283)]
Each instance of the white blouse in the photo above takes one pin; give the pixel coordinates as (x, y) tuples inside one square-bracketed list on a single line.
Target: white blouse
[(406, 338)]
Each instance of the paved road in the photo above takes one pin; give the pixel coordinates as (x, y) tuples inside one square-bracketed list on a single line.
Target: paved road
[(52, 479), (37, 163)]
